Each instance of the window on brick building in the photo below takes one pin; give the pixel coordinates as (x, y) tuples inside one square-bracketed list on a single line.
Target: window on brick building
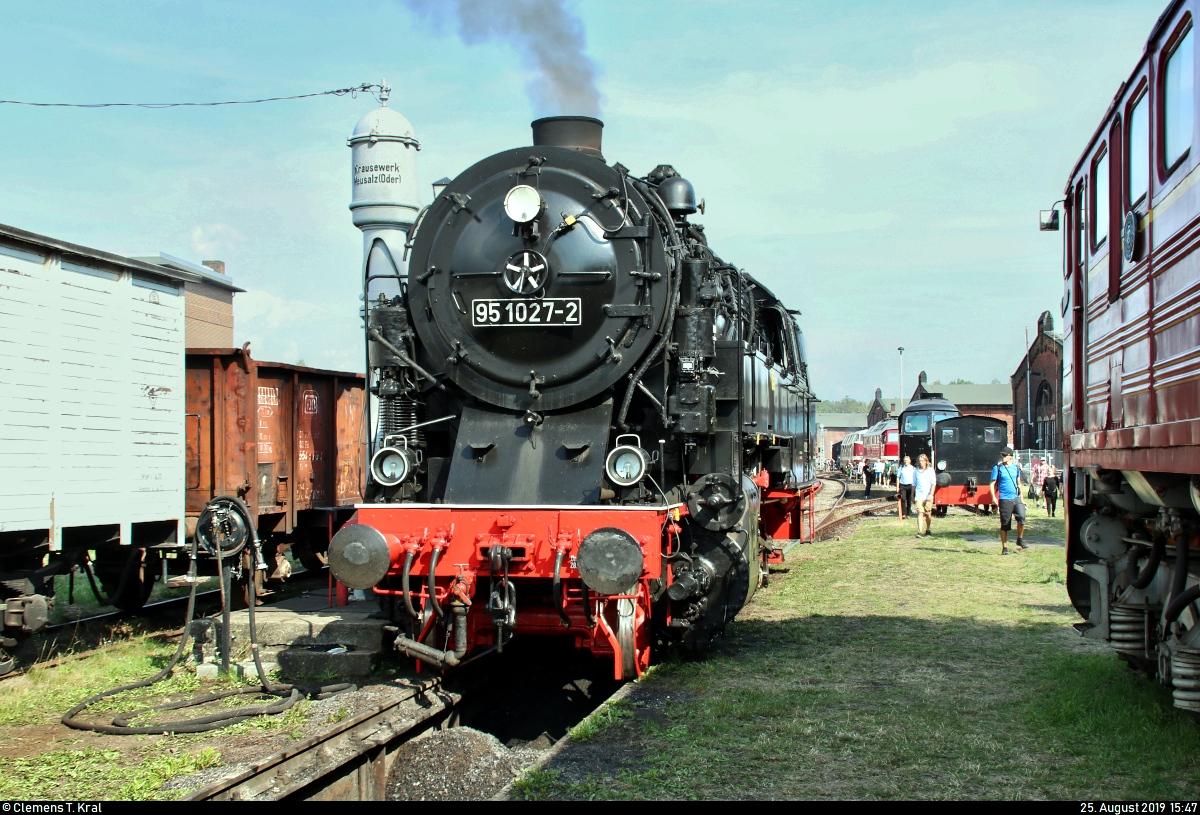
[(1045, 422)]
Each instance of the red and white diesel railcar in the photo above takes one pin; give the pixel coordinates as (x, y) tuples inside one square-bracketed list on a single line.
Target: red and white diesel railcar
[(882, 441)]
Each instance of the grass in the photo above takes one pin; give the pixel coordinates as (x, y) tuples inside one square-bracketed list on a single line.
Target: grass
[(886, 666), (601, 719), (91, 775), (137, 766)]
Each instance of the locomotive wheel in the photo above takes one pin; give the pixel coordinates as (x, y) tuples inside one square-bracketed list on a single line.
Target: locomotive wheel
[(310, 558), (127, 575)]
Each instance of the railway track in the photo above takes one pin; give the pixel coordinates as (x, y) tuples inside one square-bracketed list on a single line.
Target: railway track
[(351, 762), (843, 511)]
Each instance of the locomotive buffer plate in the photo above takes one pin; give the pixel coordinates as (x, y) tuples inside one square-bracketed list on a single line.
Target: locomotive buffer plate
[(526, 312)]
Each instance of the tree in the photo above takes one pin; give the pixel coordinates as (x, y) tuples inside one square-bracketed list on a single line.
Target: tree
[(847, 404)]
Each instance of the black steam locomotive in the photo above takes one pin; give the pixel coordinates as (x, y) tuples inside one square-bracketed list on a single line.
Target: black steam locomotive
[(588, 424)]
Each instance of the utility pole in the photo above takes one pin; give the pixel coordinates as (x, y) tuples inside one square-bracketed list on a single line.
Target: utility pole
[(901, 350), (1028, 400)]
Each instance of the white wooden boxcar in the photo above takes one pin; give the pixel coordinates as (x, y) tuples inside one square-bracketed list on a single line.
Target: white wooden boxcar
[(92, 404)]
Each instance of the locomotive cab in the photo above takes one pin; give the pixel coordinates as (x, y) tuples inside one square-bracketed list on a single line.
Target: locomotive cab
[(916, 425), (965, 448)]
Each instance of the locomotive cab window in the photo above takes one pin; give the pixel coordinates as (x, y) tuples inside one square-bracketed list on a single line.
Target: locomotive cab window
[(916, 423), (993, 435), (1178, 102), (1138, 151), (949, 435)]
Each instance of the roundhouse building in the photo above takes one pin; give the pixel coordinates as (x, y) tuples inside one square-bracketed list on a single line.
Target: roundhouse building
[(973, 400), (833, 427)]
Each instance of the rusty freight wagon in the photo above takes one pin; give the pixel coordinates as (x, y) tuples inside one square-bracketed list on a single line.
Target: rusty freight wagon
[(288, 440)]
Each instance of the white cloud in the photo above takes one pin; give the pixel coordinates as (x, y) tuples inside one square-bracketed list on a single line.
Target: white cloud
[(263, 307), (214, 238)]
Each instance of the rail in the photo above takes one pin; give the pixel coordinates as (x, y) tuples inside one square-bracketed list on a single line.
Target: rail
[(351, 762), (839, 513)]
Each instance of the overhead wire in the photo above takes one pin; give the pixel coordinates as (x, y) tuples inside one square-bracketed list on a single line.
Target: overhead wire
[(352, 92)]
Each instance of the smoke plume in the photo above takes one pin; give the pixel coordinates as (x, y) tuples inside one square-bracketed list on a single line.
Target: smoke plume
[(550, 39)]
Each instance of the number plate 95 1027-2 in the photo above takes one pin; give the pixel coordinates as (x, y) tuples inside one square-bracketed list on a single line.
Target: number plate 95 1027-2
[(548, 311)]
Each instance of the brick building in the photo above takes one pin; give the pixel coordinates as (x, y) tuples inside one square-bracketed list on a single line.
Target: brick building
[(973, 400), (833, 427), (883, 408), (1038, 409)]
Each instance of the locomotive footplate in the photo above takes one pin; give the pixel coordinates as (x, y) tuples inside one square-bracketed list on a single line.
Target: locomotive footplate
[(577, 571)]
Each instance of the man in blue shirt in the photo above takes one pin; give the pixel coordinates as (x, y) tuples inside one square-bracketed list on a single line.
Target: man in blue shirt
[(906, 487), (1006, 492)]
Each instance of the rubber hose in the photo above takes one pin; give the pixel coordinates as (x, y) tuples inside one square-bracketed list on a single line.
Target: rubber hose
[(556, 589), (587, 605), (1182, 551), (404, 589), (120, 724), (432, 584), (1140, 580), (1179, 603)]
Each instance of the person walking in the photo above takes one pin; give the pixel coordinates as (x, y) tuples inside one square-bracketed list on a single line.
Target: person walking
[(1050, 491), (906, 488), (1037, 474), (924, 483), (1006, 492), (868, 476), (878, 467)]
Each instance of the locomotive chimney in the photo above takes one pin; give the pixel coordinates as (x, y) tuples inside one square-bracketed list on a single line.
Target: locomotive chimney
[(580, 133)]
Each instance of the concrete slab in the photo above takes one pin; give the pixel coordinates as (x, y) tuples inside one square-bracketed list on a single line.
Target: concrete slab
[(302, 637)]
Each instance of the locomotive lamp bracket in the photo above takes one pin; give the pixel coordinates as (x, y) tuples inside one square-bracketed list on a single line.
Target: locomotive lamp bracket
[(534, 380), (480, 449)]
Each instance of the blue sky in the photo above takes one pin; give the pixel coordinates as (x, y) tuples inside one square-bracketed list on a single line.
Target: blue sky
[(877, 165)]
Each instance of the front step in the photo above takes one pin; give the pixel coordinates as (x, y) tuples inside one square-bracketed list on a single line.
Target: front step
[(304, 637)]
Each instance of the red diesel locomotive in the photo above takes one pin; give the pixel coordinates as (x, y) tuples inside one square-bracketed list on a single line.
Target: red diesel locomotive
[(588, 424), (1131, 389)]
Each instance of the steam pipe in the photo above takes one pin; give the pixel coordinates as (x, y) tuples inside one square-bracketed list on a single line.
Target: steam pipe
[(376, 335), (432, 585), (426, 653), (672, 299), (1140, 580), (404, 589), (1181, 566), (556, 588), (1182, 601)]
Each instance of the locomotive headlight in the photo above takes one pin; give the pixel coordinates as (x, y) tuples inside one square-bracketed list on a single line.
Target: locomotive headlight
[(941, 465), (390, 466), (626, 464), (523, 203)]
